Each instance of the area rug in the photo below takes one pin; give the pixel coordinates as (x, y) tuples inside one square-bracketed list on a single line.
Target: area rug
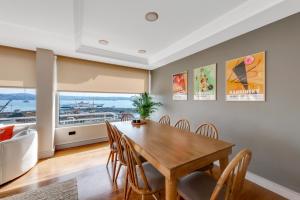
[(58, 191)]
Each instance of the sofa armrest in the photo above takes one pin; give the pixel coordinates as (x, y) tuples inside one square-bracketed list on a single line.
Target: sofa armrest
[(18, 155)]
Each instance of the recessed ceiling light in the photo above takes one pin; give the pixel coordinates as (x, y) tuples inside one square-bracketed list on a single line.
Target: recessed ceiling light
[(103, 42), (142, 51), (151, 16)]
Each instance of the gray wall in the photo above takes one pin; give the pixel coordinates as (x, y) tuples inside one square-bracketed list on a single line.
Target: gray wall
[(270, 129)]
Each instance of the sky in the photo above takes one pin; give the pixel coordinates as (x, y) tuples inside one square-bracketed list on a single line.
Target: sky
[(32, 91), (14, 90)]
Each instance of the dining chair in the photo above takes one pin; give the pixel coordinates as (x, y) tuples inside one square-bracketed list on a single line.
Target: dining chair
[(112, 144), (164, 120), (183, 124), (143, 178), (120, 158), (200, 185), (126, 117), (208, 130)]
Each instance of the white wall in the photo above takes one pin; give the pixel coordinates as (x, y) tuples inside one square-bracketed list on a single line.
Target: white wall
[(45, 101), (85, 134)]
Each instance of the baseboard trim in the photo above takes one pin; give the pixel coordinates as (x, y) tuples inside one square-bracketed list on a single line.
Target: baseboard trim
[(80, 143), (274, 187), (45, 154), (270, 185)]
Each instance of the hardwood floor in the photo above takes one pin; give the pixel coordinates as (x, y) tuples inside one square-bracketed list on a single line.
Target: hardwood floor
[(87, 164)]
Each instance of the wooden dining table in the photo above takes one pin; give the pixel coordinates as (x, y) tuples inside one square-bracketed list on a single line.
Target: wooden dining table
[(174, 152)]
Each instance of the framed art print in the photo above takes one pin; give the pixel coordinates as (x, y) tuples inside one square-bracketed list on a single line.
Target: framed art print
[(245, 78), (179, 84), (205, 82)]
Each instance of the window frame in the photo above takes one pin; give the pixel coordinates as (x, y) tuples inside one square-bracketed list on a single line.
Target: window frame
[(22, 88), (57, 106)]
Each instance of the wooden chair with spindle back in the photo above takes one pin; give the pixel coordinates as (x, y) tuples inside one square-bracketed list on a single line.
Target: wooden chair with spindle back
[(143, 178), (126, 117), (183, 124), (112, 143), (113, 148), (120, 158), (165, 120), (200, 186), (208, 130)]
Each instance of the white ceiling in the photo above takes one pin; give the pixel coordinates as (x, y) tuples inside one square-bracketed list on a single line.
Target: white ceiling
[(125, 26), (74, 27)]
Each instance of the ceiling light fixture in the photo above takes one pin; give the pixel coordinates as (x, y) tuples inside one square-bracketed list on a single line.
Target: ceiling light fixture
[(103, 42), (142, 51), (151, 16)]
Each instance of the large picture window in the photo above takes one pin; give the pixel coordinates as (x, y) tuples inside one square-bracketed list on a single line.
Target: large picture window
[(17, 106), (77, 108)]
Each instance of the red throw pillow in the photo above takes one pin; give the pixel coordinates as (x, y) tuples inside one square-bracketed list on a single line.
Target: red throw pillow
[(6, 132)]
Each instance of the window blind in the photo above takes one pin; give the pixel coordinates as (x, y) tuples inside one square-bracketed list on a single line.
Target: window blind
[(88, 76), (17, 68)]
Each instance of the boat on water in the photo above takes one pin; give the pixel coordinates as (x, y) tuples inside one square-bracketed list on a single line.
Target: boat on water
[(66, 107), (81, 105)]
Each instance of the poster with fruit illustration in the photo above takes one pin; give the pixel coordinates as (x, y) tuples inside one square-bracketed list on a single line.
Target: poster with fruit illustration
[(180, 86), (205, 83), (245, 78)]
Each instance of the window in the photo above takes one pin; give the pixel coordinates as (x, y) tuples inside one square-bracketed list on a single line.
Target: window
[(76, 108), (17, 106)]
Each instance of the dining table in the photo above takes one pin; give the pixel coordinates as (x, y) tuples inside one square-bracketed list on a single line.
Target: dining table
[(174, 152)]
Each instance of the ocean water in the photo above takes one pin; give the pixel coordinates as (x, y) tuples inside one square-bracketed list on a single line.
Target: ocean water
[(30, 106), (18, 105), (107, 103)]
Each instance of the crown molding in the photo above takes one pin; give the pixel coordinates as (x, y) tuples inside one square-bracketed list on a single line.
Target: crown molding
[(244, 18)]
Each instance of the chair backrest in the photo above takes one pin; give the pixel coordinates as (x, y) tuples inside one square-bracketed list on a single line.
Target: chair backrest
[(164, 120), (127, 117), (183, 124), (109, 133), (120, 149), (233, 177), (208, 130), (134, 167)]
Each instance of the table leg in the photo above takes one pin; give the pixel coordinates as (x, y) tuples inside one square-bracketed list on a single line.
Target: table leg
[(223, 163), (171, 188)]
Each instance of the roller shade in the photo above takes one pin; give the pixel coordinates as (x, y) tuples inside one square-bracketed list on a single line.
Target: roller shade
[(87, 76), (17, 68)]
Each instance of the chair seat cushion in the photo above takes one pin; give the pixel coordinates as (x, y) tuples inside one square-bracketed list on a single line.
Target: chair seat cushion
[(155, 179), (197, 186)]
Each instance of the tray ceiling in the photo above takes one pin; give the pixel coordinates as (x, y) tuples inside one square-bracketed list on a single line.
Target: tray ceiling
[(74, 27)]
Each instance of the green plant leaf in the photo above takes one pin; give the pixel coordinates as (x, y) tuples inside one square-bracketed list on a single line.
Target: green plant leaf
[(145, 105)]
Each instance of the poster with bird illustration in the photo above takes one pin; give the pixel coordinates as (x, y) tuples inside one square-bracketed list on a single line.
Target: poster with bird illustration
[(180, 86), (245, 78), (205, 83)]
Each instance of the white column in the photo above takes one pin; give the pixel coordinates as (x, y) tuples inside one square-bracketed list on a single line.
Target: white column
[(45, 104)]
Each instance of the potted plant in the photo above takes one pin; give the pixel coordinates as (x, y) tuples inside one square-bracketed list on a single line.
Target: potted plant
[(145, 105)]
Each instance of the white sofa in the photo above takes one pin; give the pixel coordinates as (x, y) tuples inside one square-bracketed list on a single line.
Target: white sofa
[(18, 155)]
